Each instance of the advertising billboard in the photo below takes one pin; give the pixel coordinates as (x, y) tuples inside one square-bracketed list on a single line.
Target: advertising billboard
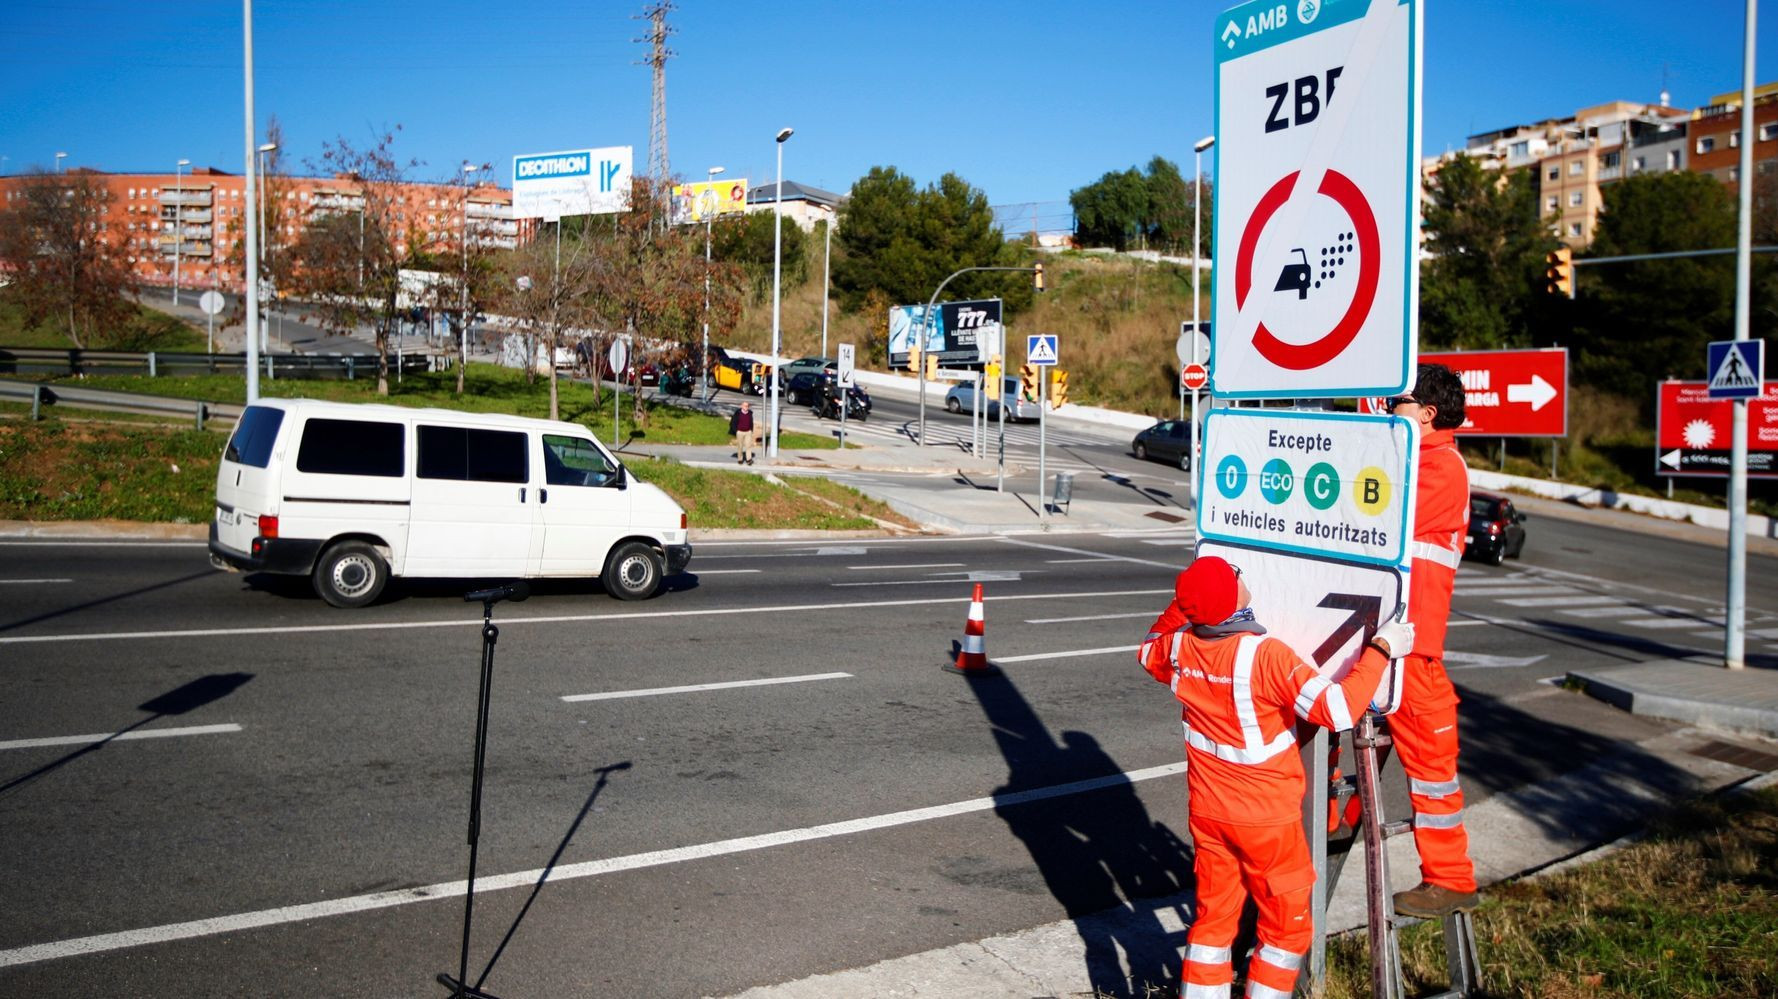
[(571, 182), (1692, 431), (708, 199), (1507, 393), (960, 334)]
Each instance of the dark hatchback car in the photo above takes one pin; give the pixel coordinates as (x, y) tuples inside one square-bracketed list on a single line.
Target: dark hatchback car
[(1166, 441), (1496, 529)]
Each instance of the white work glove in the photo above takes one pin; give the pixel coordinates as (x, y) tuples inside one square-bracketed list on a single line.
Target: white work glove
[(1397, 635)]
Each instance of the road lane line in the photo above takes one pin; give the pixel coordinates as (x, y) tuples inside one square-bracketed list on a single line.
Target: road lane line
[(913, 565), (1072, 654), (21, 582), (310, 629), (614, 695), (1089, 617), (100, 943), (1077, 561), (1581, 601), (119, 543), (722, 572), (146, 733), (1083, 551)]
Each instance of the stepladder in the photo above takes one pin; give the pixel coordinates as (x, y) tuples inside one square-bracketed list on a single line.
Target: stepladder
[(1370, 743)]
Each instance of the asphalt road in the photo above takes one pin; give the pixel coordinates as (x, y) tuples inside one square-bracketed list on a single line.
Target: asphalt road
[(310, 836)]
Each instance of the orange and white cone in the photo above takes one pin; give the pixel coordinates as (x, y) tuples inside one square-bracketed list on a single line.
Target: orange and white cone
[(972, 654)]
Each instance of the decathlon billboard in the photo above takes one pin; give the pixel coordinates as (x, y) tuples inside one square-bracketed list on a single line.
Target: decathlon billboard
[(571, 182)]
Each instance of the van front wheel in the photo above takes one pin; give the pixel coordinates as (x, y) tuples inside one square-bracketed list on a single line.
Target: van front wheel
[(633, 572), (350, 574)]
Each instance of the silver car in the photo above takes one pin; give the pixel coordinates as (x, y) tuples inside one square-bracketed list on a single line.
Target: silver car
[(961, 399)]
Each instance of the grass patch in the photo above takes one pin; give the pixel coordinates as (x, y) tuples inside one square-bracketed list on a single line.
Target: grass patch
[(60, 470), (1689, 911), (487, 389), (149, 329)]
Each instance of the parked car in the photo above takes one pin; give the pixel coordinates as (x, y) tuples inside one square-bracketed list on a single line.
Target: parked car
[(1496, 529), (730, 372), (1168, 441), (353, 495), (961, 399)]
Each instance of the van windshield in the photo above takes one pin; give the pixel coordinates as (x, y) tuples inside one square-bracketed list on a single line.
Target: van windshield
[(254, 436)]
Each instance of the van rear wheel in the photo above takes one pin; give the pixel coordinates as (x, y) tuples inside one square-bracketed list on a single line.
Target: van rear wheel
[(350, 574), (633, 572)]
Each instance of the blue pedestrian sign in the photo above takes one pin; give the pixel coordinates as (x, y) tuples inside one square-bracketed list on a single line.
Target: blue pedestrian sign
[(1040, 350), (1736, 368)]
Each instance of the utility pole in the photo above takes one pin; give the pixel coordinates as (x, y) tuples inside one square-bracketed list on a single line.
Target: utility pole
[(658, 54), (1734, 653)]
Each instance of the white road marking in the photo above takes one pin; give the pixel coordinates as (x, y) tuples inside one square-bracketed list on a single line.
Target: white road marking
[(1460, 624), (1477, 660), (145, 733), (1072, 654), (119, 543), (614, 695), (1082, 551), (1077, 561), (1618, 611), (721, 572), (310, 629), (100, 943), (1090, 617), (912, 565), (1667, 623), (21, 582), (1169, 542), (1769, 634), (1518, 591), (1562, 601)]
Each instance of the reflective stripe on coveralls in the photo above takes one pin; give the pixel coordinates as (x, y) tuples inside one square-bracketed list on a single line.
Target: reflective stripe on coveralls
[(1257, 750), (1437, 553)]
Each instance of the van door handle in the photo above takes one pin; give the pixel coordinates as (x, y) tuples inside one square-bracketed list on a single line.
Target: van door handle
[(542, 495), (521, 494)]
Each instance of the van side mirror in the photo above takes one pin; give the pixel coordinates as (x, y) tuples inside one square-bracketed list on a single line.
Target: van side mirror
[(622, 479)]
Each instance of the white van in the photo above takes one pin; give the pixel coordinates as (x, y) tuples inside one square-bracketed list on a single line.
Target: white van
[(351, 495)]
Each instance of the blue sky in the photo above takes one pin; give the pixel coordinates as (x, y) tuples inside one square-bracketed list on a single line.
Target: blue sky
[(1025, 100)]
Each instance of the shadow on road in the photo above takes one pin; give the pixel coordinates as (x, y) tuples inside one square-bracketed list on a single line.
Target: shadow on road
[(178, 701), (554, 858), (1097, 851), (113, 598)]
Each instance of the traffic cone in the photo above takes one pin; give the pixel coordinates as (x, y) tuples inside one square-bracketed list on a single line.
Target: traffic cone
[(972, 654)]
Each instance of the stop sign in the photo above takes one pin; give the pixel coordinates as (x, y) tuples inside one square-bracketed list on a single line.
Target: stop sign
[(1193, 376)]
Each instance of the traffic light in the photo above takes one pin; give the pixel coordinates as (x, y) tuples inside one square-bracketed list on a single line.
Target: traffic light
[(932, 367), (1058, 388), (914, 358), (992, 378), (1559, 277), (1037, 277), (1028, 382)]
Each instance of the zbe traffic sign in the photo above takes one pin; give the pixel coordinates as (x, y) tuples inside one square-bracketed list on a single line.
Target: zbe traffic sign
[(1317, 195)]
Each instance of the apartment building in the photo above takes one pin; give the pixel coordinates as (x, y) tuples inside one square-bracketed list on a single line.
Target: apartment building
[(196, 218), (1716, 135)]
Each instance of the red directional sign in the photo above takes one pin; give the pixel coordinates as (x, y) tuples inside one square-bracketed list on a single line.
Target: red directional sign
[(1193, 376), (1692, 431), (1507, 393)]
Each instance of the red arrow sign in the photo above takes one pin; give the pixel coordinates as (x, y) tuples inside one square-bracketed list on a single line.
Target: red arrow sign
[(1193, 376), (1507, 393), (1693, 431)]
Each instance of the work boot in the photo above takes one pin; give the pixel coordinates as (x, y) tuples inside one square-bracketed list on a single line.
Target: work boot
[(1430, 901)]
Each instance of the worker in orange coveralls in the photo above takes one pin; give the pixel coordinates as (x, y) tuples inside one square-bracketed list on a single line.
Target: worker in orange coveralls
[(1425, 727), (1242, 694)]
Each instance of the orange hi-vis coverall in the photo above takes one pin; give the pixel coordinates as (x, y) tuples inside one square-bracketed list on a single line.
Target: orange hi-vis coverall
[(1241, 695), (1425, 727)]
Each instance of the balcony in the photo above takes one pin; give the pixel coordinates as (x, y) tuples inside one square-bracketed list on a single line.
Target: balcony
[(190, 248), (181, 213), (485, 210), (201, 199), (483, 230)]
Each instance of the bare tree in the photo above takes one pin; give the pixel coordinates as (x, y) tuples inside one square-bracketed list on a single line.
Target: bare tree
[(62, 265), (548, 286), (347, 266)]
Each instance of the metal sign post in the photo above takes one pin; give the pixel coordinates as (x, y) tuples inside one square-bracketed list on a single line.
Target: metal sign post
[(1042, 351), (847, 360), (619, 358)]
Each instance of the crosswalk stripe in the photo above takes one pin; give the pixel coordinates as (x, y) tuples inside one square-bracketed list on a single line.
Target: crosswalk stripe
[(1518, 591), (1666, 623), (1561, 601), (1621, 611)]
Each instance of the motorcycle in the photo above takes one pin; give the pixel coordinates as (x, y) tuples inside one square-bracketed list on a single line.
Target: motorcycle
[(827, 407)]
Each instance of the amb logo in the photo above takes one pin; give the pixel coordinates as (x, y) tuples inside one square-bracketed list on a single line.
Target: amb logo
[(1270, 19)]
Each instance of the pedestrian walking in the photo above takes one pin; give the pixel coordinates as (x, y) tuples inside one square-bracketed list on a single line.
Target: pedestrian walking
[(1241, 694), (741, 425)]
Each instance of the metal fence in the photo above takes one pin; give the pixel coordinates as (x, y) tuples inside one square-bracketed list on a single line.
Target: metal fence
[(74, 361), (40, 395)]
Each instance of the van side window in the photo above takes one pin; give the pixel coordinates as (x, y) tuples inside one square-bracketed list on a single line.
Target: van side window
[(253, 437), (472, 455), (352, 447), (574, 461)]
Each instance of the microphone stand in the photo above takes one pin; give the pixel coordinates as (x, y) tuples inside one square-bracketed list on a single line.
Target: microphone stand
[(459, 986)]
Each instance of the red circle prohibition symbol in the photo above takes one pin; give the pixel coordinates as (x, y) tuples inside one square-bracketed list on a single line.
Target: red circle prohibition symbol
[(1302, 357)]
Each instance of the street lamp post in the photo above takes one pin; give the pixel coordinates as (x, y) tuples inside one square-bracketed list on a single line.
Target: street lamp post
[(463, 358), (1206, 142), (826, 270), (777, 289), (178, 223), (704, 362), (252, 140), (59, 158)]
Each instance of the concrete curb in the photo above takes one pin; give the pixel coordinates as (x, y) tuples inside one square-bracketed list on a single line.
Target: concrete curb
[(1696, 692), (103, 529)]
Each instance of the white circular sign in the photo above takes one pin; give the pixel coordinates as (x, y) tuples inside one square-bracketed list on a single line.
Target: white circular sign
[(619, 356), (211, 302)]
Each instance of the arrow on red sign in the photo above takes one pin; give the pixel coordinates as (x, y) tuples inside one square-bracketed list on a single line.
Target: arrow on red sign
[(1537, 392)]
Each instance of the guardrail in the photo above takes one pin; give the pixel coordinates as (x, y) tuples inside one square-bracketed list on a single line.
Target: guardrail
[(42, 395), (75, 361)]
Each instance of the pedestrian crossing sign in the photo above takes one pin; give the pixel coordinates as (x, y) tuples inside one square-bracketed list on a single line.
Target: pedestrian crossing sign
[(1041, 349), (1737, 368)]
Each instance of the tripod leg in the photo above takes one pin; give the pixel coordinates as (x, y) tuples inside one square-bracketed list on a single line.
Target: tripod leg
[(490, 635)]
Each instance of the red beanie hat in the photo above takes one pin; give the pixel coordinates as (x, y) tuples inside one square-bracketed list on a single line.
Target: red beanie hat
[(1207, 591)]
